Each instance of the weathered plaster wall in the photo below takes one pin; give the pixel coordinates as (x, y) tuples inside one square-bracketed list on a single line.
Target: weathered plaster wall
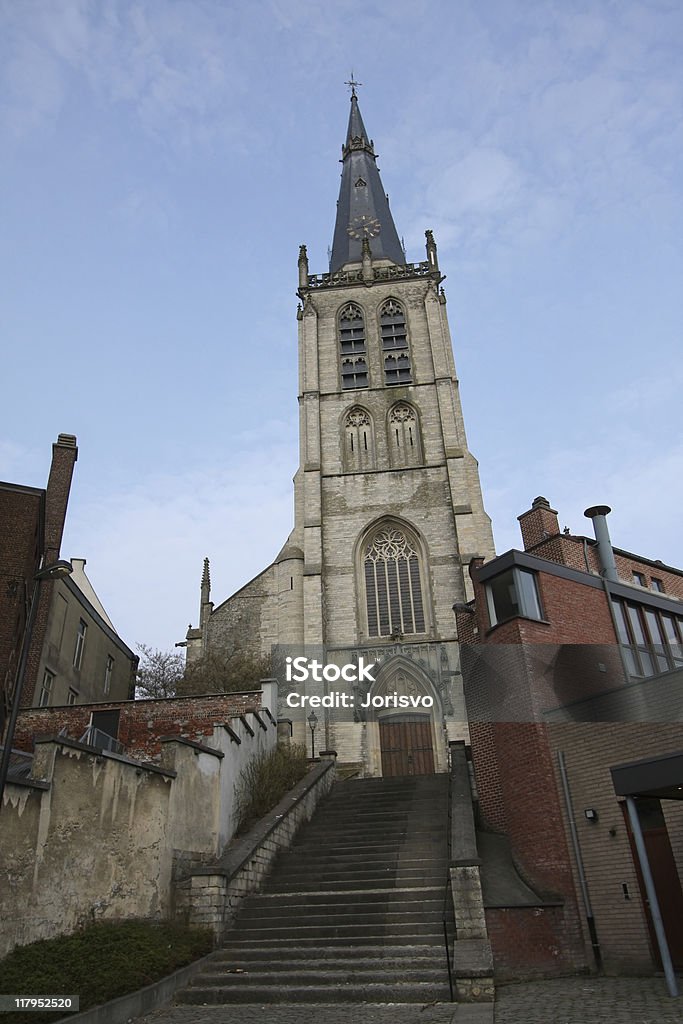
[(96, 835)]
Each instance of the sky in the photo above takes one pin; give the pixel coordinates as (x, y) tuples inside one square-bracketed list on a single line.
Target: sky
[(163, 161)]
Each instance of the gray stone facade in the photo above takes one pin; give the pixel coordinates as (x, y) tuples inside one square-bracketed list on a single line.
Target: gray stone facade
[(389, 453)]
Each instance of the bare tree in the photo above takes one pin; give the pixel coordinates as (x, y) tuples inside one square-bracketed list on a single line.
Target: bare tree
[(159, 673), (219, 673)]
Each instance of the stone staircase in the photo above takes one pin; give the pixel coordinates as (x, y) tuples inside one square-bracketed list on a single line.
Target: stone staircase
[(352, 912)]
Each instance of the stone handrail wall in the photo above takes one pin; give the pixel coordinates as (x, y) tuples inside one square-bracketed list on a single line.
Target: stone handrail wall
[(211, 896)]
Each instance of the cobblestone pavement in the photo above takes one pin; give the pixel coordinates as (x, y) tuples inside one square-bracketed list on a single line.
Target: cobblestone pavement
[(588, 1001), (564, 1001)]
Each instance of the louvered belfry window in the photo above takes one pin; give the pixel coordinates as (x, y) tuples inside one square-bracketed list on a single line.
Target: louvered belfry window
[(392, 584), (395, 344), (354, 367)]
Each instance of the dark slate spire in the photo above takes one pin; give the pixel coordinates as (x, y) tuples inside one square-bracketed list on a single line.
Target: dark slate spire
[(363, 208)]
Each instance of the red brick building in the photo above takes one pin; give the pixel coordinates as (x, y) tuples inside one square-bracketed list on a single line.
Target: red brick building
[(75, 654), (31, 529), (572, 661)]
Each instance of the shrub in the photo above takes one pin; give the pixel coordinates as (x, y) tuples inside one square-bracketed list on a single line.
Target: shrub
[(266, 779), (98, 963)]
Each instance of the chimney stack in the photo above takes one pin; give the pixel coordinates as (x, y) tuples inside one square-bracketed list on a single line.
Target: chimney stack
[(538, 524)]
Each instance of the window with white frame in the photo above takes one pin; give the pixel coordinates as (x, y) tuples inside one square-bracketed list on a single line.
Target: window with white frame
[(72, 696), (46, 687), (108, 673), (513, 593), (80, 643)]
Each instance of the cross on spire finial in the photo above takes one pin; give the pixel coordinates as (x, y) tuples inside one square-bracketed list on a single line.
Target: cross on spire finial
[(352, 84)]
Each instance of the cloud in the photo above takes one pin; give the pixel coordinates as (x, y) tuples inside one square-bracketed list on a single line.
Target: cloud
[(164, 62), (611, 461), (145, 546)]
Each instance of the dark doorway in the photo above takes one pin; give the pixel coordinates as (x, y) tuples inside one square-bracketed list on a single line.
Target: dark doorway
[(664, 875), (406, 745)]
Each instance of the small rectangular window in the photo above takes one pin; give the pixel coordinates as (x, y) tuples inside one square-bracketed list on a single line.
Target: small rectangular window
[(108, 672), (80, 643), (46, 688), (639, 579), (72, 696), (657, 585)]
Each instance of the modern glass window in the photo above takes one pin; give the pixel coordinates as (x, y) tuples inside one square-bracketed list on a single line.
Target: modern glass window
[(651, 639), (393, 584), (392, 321), (108, 673), (354, 367), (80, 643), (511, 594), (46, 688)]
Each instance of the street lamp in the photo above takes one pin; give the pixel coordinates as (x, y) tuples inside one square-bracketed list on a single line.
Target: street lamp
[(312, 721), (54, 571)]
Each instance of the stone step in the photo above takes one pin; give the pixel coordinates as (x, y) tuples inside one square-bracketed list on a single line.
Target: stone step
[(286, 943), (293, 909), (342, 898), (268, 951), (410, 992), (295, 917), (354, 884), (315, 971), (372, 930), (352, 913)]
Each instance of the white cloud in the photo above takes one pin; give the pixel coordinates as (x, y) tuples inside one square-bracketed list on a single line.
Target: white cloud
[(145, 546)]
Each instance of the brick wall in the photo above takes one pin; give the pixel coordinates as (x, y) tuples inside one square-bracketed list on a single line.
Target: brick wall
[(531, 942), (142, 722), (21, 513)]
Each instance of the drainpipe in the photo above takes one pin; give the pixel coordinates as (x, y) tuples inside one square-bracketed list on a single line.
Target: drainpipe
[(662, 943), (585, 896)]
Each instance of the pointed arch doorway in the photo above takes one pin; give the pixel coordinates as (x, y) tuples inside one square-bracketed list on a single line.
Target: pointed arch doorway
[(405, 740), (406, 746)]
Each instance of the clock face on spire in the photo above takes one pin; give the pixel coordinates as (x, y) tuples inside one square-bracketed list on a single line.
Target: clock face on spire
[(364, 226)]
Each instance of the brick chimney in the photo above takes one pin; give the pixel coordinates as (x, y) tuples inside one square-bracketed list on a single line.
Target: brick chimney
[(538, 524), (64, 455)]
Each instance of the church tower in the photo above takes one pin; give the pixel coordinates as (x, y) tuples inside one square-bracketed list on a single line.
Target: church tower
[(388, 504)]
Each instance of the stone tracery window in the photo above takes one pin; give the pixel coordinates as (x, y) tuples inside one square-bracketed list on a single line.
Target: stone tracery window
[(354, 367), (393, 585), (405, 445), (395, 350), (358, 440)]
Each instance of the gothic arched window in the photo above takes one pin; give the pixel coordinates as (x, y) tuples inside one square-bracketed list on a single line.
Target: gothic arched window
[(354, 367), (393, 585), (358, 440), (395, 343), (405, 444)]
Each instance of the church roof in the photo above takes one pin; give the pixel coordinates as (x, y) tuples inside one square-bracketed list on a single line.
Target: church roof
[(363, 208)]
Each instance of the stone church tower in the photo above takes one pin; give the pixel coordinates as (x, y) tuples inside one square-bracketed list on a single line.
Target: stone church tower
[(388, 505)]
